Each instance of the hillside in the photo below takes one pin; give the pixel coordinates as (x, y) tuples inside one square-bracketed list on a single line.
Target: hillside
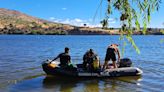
[(15, 22)]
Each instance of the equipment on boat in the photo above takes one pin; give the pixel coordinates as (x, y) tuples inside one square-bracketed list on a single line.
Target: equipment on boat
[(126, 62)]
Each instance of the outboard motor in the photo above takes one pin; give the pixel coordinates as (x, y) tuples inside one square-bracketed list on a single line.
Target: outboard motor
[(125, 62)]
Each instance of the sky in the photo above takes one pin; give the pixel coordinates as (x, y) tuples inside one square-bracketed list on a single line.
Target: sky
[(74, 12)]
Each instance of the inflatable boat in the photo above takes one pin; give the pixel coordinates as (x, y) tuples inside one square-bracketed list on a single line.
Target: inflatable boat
[(125, 69)]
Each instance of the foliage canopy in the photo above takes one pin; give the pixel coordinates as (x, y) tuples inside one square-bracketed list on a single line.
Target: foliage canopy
[(131, 11)]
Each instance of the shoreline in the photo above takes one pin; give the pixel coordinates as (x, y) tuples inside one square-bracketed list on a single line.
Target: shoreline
[(86, 34), (77, 31)]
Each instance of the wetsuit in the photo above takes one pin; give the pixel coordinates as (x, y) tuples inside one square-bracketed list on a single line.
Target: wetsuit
[(64, 59)]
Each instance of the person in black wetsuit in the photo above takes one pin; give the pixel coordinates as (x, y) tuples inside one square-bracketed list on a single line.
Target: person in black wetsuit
[(111, 52), (65, 58)]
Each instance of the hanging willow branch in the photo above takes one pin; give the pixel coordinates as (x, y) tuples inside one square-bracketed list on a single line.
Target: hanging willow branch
[(130, 13)]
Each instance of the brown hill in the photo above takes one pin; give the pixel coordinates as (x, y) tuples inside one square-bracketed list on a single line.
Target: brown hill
[(15, 22)]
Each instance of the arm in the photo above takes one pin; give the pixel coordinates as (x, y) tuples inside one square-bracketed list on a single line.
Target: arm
[(56, 57), (85, 58), (69, 61), (118, 53), (107, 53)]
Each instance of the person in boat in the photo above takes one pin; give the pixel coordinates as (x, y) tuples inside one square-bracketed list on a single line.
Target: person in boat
[(111, 52), (65, 58), (90, 60)]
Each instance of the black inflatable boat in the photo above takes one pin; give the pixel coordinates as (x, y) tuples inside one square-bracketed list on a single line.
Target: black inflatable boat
[(125, 69)]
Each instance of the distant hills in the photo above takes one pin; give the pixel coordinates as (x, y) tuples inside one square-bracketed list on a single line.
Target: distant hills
[(15, 22)]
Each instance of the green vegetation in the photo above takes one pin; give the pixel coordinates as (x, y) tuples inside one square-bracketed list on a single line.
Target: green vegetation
[(162, 31), (130, 12), (36, 32), (162, 41)]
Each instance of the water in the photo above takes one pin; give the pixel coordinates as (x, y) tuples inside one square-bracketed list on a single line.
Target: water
[(21, 57)]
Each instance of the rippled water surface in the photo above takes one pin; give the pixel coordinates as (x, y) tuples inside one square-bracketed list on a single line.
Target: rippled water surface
[(21, 57)]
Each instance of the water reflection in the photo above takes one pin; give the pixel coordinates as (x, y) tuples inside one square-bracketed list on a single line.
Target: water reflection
[(56, 84), (91, 85)]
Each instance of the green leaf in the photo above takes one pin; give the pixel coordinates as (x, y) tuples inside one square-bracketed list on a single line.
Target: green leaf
[(162, 40), (148, 14), (129, 13)]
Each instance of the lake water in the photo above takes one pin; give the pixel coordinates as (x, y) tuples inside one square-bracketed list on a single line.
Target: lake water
[(21, 57)]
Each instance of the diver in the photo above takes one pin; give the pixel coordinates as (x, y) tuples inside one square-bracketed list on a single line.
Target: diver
[(65, 58), (91, 60), (111, 52)]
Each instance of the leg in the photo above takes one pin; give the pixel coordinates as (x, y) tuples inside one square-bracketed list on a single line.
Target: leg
[(105, 64), (114, 60), (114, 64)]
